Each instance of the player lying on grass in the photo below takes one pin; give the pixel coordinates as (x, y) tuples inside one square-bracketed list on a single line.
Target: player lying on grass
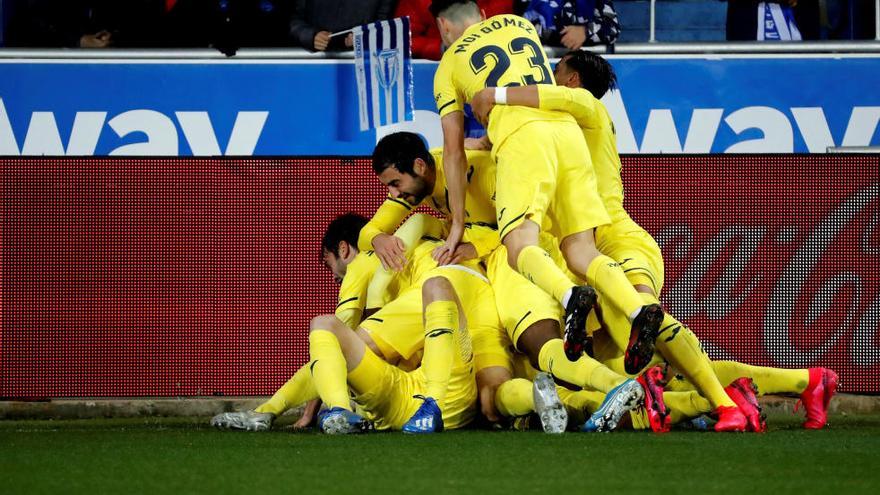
[(515, 398), (395, 333), (588, 77), (541, 162)]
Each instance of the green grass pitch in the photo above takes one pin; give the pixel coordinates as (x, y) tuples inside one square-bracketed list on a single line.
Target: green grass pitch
[(184, 455)]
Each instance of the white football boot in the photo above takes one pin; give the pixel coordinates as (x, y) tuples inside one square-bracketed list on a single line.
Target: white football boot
[(243, 420), (554, 417)]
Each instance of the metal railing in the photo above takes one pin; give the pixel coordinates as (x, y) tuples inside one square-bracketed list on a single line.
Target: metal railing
[(280, 54)]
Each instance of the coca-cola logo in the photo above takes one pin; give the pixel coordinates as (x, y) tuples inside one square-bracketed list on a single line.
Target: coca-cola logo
[(802, 290)]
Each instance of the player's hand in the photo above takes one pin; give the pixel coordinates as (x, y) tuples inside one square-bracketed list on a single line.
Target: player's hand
[(482, 104), (481, 144), (322, 40), (101, 39), (444, 254), (308, 415), (391, 251), (573, 37), (464, 252)]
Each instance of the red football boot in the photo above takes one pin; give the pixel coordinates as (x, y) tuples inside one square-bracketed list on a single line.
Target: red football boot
[(652, 381), (742, 391), (817, 396), (730, 419)]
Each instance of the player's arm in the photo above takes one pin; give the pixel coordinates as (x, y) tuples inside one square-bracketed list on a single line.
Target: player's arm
[(450, 106), (353, 291), (410, 233), (376, 234), (578, 102), (485, 239), (455, 168)]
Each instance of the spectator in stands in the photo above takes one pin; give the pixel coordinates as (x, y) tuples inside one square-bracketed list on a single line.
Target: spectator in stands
[(313, 21), (789, 20), (425, 35), (101, 24), (573, 23)]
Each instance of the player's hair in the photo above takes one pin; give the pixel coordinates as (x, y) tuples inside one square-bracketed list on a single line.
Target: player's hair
[(454, 10), (400, 150), (346, 228), (597, 75)]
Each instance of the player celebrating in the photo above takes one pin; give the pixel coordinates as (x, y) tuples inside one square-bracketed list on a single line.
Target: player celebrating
[(541, 175), (443, 301), (414, 176), (590, 77)]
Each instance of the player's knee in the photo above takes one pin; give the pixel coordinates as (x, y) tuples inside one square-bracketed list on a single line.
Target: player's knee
[(526, 234), (437, 288), (324, 322), (536, 336), (581, 244)]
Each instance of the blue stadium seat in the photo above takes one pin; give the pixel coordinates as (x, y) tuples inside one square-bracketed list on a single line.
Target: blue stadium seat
[(677, 20)]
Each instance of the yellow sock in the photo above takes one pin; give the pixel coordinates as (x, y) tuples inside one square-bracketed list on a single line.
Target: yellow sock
[(441, 327), (606, 276), (768, 380), (364, 376), (536, 265), (328, 369), (682, 349), (514, 398), (685, 405), (639, 419), (585, 372), (298, 390), (581, 404)]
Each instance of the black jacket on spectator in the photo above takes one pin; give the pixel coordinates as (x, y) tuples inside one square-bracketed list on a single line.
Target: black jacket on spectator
[(311, 16), (61, 23)]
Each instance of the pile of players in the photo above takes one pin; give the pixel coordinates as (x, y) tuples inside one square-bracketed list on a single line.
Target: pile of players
[(531, 293)]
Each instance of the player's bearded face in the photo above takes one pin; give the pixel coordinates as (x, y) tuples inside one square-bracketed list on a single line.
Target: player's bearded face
[(334, 264), (410, 188)]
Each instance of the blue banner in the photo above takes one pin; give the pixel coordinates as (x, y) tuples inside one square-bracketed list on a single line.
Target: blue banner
[(675, 104)]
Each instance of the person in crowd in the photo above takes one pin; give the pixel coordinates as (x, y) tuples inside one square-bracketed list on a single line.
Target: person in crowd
[(314, 21), (573, 23), (425, 36)]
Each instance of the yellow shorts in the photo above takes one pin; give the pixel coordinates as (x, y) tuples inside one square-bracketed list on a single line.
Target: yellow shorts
[(398, 328), (520, 303), (385, 393), (544, 170), (635, 250)]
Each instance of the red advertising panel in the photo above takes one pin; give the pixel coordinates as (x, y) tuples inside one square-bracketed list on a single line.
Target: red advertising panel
[(183, 277)]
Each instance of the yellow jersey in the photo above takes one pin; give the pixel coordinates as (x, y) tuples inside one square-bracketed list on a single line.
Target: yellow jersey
[(500, 51), (353, 291), (479, 204), (595, 122)]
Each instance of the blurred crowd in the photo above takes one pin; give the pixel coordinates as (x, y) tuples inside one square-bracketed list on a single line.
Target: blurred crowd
[(228, 25), (231, 24)]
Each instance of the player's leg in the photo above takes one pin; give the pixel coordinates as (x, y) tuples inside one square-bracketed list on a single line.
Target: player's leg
[(493, 362), (531, 318), (768, 380), (815, 386), (444, 326), (520, 397), (335, 350), (577, 212), (298, 390), (526, 182), (327, 378)]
